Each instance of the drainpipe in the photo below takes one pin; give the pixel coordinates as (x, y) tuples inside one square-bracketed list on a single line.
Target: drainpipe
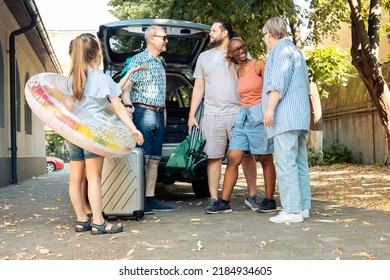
[(33, 16)]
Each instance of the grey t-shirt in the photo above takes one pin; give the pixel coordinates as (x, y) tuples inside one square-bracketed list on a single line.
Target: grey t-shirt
[(221, 83)]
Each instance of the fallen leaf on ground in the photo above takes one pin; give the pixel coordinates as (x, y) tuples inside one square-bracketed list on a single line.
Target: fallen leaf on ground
[(20, 255), (62, 227), (262, 244), (326, 215), (6, 207), (50, 208), (44, 251), (200, 246), (338, 251), (345, 220), (325, 221), (129, 253), (365, 254)]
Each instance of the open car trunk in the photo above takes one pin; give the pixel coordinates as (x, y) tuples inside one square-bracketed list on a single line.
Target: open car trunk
[(186, 40)]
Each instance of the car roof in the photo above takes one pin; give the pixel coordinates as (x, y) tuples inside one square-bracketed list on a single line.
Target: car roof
[(155, 21), (123, 39)]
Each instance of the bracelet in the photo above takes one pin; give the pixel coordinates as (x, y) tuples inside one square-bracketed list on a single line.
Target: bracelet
[(128, 105)]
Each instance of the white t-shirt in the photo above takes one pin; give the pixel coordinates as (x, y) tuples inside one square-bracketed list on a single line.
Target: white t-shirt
[(221, 83)]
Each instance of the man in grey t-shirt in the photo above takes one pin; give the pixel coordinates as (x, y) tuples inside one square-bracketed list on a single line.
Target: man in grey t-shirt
[(216, 82)]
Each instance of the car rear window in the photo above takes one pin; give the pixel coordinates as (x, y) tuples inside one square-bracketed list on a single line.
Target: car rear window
[(133, 45)]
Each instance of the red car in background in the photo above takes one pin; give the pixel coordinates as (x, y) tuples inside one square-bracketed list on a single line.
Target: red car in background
[(54, 163)]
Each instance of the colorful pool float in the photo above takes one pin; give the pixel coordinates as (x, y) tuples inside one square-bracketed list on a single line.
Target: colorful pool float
[(106, 137)]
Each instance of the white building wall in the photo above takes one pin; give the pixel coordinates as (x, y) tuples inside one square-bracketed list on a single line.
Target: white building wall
[(30, 147)]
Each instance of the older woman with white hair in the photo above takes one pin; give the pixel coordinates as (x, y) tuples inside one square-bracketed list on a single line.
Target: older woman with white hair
[(287, 119)]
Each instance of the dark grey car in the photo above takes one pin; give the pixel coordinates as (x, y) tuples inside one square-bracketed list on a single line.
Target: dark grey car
[(123, 39)]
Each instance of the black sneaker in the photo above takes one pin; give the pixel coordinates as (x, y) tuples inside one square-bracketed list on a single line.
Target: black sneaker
[(212, 207), (154, 204), (267, 205), (216, 207), (252, 202), (148, 210)]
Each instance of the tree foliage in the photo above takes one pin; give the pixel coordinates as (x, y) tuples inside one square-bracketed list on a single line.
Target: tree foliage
[(328, 66), (325, 18), (56, 145), (247, 16)]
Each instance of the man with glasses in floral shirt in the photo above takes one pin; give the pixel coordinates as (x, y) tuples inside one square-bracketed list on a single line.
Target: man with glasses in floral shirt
[(144, 96)]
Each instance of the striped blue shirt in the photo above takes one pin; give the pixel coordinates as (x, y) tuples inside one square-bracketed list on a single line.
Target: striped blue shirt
[(149, 85), (286, 72)]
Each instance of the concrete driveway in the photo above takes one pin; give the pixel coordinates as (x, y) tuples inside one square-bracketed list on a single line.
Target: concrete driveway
[(37, 222)]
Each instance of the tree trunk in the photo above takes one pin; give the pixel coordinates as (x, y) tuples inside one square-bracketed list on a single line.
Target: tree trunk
[(363, 52), (316, 133)]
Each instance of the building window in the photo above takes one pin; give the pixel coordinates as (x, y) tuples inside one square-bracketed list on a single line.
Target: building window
[(27, 112), (2, 89)]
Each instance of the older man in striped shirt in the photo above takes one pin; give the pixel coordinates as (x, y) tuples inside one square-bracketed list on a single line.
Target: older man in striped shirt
[(287, 120)]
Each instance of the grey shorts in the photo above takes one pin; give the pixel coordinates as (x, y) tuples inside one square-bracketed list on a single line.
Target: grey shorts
[(216, 130), (77, 153)]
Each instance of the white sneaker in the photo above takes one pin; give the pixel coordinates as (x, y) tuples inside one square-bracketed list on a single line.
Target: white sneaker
[(306, 213), (285, 217)]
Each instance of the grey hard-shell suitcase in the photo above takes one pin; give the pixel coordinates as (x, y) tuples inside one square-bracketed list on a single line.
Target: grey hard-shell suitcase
[(123, 186)]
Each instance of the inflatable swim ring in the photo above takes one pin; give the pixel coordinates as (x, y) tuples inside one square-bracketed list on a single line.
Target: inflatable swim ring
[(104, 136)]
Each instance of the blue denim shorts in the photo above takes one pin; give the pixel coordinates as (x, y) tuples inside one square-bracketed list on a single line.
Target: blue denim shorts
[(77, 153), (151, 124), (250, 135)]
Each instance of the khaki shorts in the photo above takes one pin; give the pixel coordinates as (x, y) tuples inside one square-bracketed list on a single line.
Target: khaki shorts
[(216, 130)]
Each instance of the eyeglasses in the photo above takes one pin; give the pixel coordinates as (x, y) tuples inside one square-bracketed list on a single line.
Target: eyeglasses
[(262, 37), (237, 50), (164, 37)]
